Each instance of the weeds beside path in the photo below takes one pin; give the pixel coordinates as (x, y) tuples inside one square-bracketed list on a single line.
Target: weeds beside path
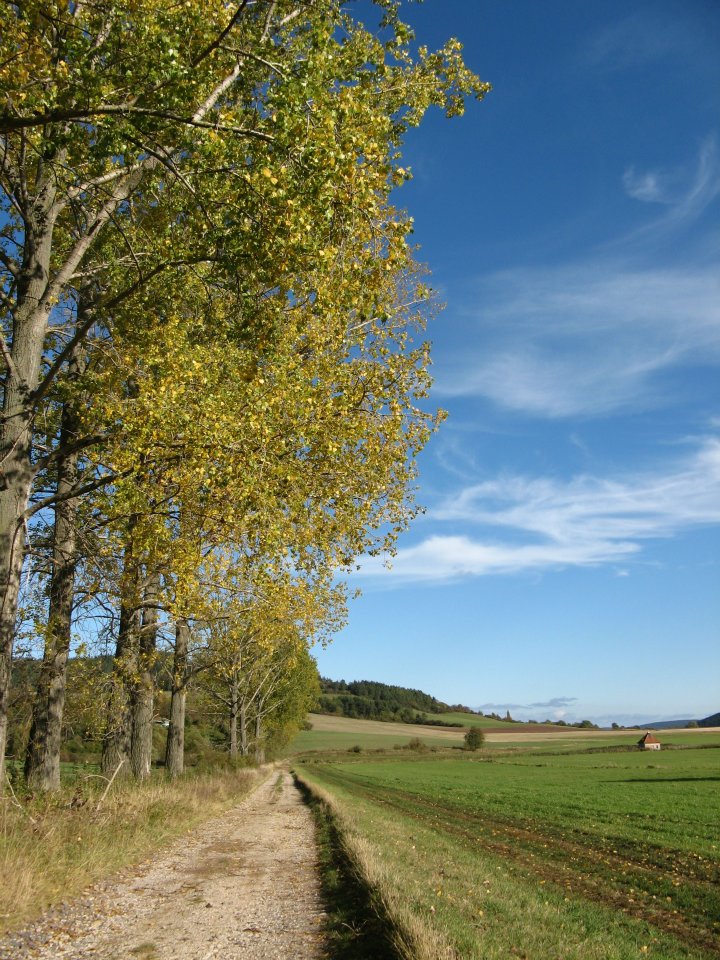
[(52, 848), (244, 885)]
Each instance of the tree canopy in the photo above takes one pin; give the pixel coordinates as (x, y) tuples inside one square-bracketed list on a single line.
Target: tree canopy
[(214, 383)]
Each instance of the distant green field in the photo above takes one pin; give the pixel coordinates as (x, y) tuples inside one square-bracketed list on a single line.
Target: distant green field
[(331, 740), (336, 733), (343, 733), (602, 855)]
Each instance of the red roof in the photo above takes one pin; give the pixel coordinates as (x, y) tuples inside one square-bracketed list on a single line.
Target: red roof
[(648, 738)]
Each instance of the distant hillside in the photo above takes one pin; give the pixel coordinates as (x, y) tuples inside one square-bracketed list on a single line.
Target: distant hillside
[(370, 700), (713, 721), (666, 724)]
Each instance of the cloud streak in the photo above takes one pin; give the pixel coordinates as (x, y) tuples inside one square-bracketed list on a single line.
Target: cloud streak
[(580, 340), (599, 335), (532, 524), (637, 40), (684, 206), (649, 187), (556, 702)]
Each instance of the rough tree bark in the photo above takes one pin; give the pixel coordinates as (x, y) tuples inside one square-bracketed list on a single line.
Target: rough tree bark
[(259, 748), (175, 749), (42, 760), (142, 700), (116, 742), (234, 712), (21, 380), (243, 729)]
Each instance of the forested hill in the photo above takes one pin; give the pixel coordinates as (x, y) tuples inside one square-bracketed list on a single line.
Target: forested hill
[(370, 700), (713, 721)]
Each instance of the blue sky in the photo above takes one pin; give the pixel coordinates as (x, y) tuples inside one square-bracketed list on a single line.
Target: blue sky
[(568, 562)]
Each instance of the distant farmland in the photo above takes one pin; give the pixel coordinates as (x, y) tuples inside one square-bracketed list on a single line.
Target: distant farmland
[(568, 846), (340, 733)]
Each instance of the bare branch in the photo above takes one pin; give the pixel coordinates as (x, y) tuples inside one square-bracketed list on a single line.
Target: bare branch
[(276, 68), (10, 265), (75, 492), (9, 123), (268, 21), (68, 448), (63, 275), (100, 181), (290, 17), (219, 39)]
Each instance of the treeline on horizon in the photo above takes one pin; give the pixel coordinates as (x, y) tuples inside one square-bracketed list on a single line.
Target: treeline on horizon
[(371, 700), (215, 378)]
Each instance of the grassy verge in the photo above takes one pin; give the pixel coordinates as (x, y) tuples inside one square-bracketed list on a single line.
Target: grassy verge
[(53, 847), (369, 913), (357, 926)]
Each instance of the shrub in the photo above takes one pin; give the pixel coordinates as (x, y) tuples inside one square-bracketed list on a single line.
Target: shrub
[(474, 738)]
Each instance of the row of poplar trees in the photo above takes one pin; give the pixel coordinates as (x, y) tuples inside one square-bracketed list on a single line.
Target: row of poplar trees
[(212, 390)]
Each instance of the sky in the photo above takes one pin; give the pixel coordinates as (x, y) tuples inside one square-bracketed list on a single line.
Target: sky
[(568, 562)]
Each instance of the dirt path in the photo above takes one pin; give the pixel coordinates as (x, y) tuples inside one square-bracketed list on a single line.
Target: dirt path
[(244, 887)]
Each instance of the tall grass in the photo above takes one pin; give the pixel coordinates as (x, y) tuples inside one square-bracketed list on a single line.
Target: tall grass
[(53, 847)]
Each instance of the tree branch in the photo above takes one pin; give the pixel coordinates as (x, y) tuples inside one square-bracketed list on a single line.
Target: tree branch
[(9, 362), (219, 39), (75, 492), (9, 123), (66, 449)]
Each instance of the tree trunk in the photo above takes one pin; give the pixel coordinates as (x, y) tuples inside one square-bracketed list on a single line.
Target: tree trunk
[(30, 319), (243, 729), (234, 707), (259, 748), (116, 743), (144, 688), (42, 760), (175, 750), (12, 548)]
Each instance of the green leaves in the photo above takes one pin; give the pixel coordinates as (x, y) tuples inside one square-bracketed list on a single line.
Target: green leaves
[(211, 186)]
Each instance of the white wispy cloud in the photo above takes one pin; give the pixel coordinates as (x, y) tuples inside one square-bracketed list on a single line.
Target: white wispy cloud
[(527, 524), (687, 197), (557, 702), (597, 335), (650, 187), (638, 39), (585, 339)]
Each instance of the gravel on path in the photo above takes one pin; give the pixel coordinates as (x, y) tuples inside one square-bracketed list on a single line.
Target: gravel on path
[(243, 886)]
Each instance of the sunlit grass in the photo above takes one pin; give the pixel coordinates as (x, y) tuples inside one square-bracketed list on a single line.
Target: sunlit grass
[(587, 855), (51, 848)]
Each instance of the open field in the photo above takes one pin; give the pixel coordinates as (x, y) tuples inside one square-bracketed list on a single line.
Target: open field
[(473, 720), (342, 733), (602, 855)]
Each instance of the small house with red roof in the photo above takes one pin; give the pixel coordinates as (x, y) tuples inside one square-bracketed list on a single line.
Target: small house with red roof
[(649, 742)]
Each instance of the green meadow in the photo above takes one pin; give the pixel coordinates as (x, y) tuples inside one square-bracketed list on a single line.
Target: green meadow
[(590, 851)]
